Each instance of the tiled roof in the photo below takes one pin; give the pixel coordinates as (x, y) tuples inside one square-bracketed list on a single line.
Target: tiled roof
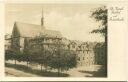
[(31, 30)]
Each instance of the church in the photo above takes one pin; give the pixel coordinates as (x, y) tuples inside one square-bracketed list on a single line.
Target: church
[(24, 34)]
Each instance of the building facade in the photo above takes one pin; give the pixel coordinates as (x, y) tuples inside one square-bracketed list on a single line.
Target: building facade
[(7, 42), (85, 53)]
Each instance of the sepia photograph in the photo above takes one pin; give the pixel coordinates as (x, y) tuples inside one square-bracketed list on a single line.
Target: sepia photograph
[(56, 40)]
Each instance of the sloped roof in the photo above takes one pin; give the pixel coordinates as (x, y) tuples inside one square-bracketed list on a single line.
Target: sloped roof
[(31, 30), (75, 42), (65, 41)]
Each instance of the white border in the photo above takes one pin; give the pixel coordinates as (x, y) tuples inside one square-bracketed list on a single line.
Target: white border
[(116, 40)]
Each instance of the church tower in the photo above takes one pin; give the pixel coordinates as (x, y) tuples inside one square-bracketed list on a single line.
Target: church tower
[(42, 19)]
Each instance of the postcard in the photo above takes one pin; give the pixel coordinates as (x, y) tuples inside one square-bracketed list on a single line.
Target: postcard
[(63, 40)]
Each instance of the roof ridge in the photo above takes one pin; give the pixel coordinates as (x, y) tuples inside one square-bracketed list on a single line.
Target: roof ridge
[(26, 23), (31, 30)]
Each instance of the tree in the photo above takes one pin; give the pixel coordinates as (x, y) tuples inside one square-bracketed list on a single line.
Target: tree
[(25, 57), (12, 55), (99, 49), (17, 56), (52, 55), (41, 57), (62, 59), (100, 15), (8, 55)]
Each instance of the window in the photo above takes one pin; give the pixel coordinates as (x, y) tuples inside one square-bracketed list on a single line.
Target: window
[(83, 51), (79, 58), (83, 58), (73, 46)]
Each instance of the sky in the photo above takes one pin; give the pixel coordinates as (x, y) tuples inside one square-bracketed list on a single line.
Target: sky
[(72, 20)]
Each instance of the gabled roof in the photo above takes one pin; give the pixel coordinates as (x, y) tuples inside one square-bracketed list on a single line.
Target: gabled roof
[(31, 30), (65, 41)]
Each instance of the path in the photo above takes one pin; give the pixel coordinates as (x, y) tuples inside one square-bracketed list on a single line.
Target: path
[(17, 73), (84, 71)]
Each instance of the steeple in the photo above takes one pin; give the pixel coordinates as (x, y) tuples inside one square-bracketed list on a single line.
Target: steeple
[(42, 19)]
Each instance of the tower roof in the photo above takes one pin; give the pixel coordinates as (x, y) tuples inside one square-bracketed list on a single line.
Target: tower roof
[(42, 19)]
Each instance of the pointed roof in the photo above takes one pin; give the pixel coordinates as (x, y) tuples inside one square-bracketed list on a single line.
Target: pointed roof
[(42, 19), (31, 30)]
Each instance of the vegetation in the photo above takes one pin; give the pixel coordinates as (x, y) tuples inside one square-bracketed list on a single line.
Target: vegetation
[(54, 57), (100, 15), (62, 59), (12, 55)]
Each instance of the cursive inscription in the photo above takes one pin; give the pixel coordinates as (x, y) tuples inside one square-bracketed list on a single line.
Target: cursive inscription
[(116, 14)]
